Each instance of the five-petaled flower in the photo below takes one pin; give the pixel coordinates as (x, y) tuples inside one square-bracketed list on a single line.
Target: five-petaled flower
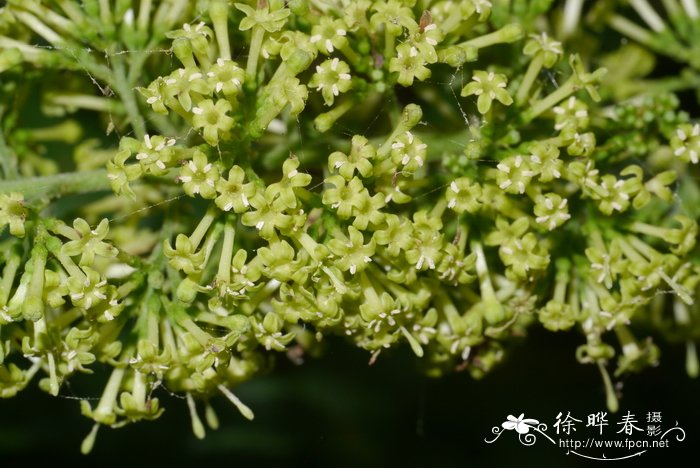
[(233, 193), (88, 242), (269, 17), (686, 143), (13, 212), (199, 176), (332, 77), (542, 44), (226, 77), (488, 86), (212, 119), (409, 64), (329, 34)]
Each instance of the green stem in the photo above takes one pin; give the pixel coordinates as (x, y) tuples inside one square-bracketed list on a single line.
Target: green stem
[(153, 331), (218, 12), (564, 91), (643, 247), (630, 252), (650, 230), (197, 426), (202, 337), (66, 318), (169, 340), (672, 7), (8, 163), (105, 13), (268, 112), (610, 396), (369, 293), (245, 411), (507, 34), (627, 341), (73, 11), (648, 14), (485, 286), (29, 374), (33, 307), (325, 121), (87, 101), (109, 396), (530, 75), (463, 232), (139, 390), (212, 238), (29, 53), (33, 23), (126, 93), (53, 377), (445, 304), (68, 264), (353, 57), (415, 346), (59, 184), (691, 360), (223, 276), (439, 208), (309, 244), (51, 18), (401, 128), (630, 29), (144, 14), (337, 283), (574, 300), (453, 22), (683, 293), (167, 15), (253, 55), (295, 64), (562, 281), (202, 227), (691, 8), (268, 290), (389, 44), (686, 80), (8, 277), (137, 59), (570, 18), (68, 131)]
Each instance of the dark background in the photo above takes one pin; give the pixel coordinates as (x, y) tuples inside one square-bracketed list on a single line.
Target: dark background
[(337, 411)]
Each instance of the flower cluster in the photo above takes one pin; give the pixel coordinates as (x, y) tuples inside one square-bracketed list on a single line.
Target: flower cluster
[(392, 172)]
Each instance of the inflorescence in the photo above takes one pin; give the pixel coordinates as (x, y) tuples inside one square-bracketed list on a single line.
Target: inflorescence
[(438, 174)]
